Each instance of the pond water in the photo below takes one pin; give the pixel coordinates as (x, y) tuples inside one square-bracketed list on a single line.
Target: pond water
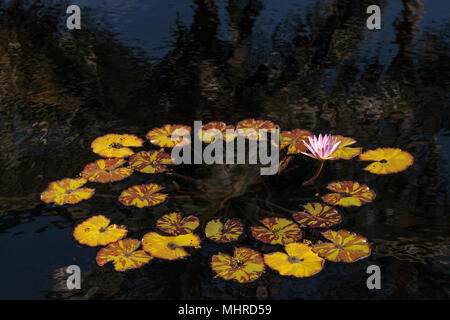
[(136, 65)]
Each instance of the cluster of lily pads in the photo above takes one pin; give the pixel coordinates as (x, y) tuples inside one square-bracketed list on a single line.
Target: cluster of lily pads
[(175, 232)]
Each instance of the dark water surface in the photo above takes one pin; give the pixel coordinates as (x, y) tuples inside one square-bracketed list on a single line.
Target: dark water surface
[(136, 65)]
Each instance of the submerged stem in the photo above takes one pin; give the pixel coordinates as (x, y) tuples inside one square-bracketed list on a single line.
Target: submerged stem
[(279, 207), (316, 175)]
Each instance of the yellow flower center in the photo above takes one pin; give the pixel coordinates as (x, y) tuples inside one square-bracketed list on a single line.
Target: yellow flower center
[(102, 230), (127, 254)]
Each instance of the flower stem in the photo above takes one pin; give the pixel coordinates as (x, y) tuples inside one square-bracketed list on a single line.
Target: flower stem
[(315, 175)]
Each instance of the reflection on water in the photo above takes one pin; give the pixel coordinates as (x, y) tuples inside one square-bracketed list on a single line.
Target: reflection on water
[(136, 65)]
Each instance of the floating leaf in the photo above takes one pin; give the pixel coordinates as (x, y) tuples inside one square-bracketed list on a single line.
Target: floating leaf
[(174, 224), (277, 231), (349, 193), (124, 255), (116, 145), (245, 266), (210, 130), (168, 247), (387, 160), (96, 231), (150, 161), (66, 191), (317, 215), (163, 136), (106, 170), (222, 233), (144, 195), (344, 151), (344, 247), (255, 129), (294, 139), (300, 261)]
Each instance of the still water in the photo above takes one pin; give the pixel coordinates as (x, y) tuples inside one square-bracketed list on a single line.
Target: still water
[(136, 65)]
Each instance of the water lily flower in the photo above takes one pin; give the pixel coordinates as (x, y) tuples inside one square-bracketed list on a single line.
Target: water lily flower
[(321, 148)]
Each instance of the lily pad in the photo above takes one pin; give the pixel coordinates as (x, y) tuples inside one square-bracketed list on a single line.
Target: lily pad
[(124, 255), (246, 265), (344, 247), (298, 261), (277, 231)]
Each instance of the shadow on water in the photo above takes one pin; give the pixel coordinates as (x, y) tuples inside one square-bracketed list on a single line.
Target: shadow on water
[(302, 64)]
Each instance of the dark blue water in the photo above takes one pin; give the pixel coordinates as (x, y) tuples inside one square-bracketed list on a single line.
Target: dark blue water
[(136, 65)]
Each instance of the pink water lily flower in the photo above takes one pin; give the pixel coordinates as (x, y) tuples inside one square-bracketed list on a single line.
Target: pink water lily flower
[(321, 148)]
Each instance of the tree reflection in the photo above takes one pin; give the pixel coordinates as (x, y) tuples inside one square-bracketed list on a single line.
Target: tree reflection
[(59, 90)]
